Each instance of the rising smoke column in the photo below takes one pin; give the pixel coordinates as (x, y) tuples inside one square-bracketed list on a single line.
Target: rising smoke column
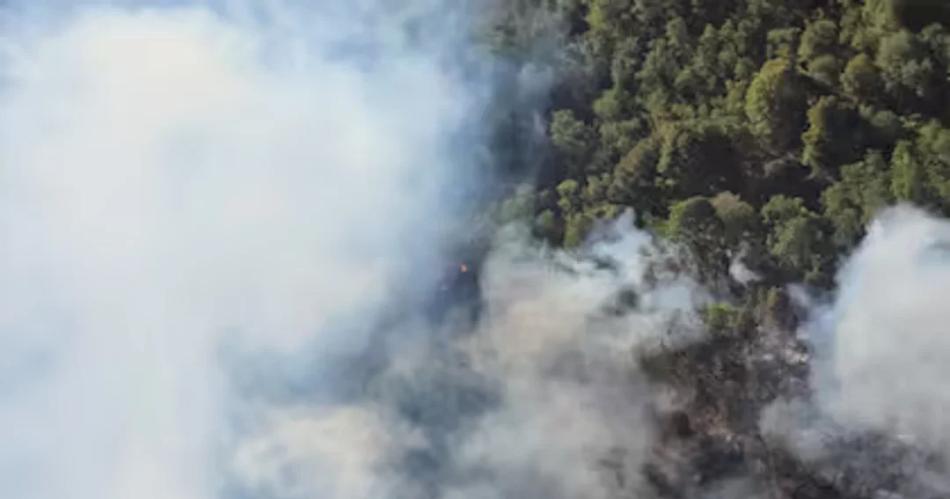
[(887, 365), (875, 422)]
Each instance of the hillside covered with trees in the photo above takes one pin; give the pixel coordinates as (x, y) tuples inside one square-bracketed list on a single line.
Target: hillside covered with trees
[(774, 129), (759, 135)]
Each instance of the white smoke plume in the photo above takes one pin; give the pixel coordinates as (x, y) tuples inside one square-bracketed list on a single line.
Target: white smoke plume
[(210, 214), (877, 418), (887, 362), (181, 185), (560, 333)]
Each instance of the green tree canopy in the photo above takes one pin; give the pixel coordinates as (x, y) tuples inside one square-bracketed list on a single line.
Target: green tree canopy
[(775, 104)]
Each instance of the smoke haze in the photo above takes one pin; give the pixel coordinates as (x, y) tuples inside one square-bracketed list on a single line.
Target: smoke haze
[(183, 185), (221, 228)]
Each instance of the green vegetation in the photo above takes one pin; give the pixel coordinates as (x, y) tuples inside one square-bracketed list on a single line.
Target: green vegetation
[(760, 137), (774, 128)]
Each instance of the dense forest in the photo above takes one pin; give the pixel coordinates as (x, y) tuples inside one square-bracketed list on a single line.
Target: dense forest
[(769, 129), (760, 137)]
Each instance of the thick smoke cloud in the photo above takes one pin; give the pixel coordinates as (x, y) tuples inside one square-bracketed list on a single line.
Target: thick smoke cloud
[(876, 421), (560, 333), (220, 225), (887, 361), (183, 188)]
